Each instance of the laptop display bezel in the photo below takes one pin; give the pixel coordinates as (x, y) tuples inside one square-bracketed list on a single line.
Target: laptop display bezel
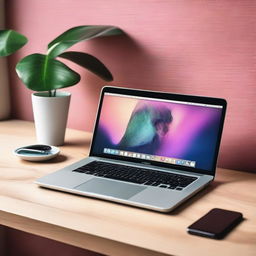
[(165, 96)]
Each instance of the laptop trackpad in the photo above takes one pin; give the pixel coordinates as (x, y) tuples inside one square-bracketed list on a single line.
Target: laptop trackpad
[(110, 188)]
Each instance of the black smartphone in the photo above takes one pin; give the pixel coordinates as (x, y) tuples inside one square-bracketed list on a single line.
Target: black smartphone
[(216, 223)]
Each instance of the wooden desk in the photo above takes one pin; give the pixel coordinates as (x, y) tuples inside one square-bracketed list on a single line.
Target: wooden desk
[(111, 228)]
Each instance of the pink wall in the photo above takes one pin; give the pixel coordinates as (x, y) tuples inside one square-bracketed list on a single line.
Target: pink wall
[(193, 47)]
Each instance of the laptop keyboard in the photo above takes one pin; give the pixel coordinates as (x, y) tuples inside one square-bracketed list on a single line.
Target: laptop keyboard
[(136, 175)]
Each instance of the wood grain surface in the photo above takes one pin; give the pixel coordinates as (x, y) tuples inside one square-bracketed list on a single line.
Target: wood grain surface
[(111, 228)]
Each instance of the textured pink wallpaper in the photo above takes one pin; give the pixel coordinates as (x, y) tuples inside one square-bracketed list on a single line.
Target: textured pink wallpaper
[(192, 47)]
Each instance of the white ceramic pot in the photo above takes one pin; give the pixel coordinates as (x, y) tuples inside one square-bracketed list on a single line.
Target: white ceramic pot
[(50, 115)]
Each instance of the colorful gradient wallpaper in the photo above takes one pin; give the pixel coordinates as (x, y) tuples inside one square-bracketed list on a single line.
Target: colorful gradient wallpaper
[(161, 128)]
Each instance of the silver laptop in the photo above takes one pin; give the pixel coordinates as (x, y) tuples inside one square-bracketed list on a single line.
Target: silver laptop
[(149, 149)]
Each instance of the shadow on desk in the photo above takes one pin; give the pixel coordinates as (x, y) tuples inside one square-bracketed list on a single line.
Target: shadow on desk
[(78, 142), (196, 197), (58, 159)]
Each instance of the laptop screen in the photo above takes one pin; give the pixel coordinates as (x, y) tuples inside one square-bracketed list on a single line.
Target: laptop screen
[(181, 133)]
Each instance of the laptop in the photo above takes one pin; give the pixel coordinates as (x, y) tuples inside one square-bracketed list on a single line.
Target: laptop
[(149, 149)]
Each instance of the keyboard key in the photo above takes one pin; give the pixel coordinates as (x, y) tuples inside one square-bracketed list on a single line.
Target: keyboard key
[(163, 186)]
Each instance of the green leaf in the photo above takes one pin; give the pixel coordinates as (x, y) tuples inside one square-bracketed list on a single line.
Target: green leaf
[(89, 62), (39, 73), (10, 42), (78, 34)]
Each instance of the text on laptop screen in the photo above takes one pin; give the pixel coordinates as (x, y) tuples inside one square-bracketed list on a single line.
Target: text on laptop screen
[(180, 133)]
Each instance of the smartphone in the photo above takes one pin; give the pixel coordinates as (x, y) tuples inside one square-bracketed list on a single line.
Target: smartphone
[(216, 223)]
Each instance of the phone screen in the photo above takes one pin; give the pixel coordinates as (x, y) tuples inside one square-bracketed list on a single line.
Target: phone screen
[(216, 223)]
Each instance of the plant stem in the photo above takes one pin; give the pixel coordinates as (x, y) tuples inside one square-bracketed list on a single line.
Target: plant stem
[(54, 93), (50, 93)]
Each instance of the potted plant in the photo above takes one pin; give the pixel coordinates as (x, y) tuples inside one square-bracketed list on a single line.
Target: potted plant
[(13, 46), (45, 74)]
